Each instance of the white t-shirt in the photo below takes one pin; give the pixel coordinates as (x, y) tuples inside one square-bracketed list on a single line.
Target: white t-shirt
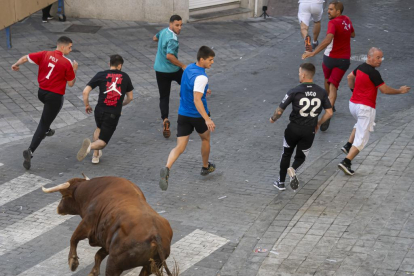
[(200, 83), (312, 1)]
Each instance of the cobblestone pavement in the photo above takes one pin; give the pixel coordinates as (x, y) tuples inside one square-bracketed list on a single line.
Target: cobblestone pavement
[(333, 225)]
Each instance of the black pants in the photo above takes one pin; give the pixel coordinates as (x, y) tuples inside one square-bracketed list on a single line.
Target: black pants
[(299, 137), (164, 86), (46, 12), (52, 105)]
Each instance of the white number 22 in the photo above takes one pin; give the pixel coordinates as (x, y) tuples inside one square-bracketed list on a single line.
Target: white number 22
[(307, 103), (50, 72)]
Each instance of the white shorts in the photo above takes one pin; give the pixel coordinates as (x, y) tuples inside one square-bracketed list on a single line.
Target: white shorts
[(308, 11), (365, 116)]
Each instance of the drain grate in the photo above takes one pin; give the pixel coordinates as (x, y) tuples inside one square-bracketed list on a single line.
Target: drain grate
[(88, 29)]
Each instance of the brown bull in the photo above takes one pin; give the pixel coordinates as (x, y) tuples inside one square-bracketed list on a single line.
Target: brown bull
[(116, 217)]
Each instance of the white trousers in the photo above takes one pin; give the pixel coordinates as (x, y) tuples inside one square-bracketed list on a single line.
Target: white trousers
[(308, 11), (365, 116)]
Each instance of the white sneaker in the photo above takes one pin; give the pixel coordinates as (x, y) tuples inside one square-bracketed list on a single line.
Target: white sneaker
[(84, 150), (95, 159)]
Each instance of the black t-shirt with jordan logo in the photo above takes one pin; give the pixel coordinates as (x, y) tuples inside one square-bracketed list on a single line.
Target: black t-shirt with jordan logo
[(307, 100), (113, 85)]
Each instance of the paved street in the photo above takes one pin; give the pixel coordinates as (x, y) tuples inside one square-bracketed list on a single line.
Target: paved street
[(332, 225)]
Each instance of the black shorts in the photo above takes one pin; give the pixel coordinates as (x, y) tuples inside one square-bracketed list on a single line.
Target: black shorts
[(107, 122), (186, 125)]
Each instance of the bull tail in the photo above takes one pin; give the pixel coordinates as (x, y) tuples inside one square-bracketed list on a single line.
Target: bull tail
[(159, 271)]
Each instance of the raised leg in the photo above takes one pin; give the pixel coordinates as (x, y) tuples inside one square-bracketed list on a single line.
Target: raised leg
[(79, 234), (100, 255)]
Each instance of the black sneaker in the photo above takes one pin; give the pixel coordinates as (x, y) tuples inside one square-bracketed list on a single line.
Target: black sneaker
[(27, 154), (325, 126), (50, 132), (315, 44), (345, 149), (346, 168), (164, 175), (211, 168), (279, 185), (294, 181)]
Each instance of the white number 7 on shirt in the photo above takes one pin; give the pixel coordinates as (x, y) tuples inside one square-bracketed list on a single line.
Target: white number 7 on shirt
[(50, 72)]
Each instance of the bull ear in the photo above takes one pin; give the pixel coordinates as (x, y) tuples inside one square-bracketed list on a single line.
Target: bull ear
[(86, 178), (56, 188)]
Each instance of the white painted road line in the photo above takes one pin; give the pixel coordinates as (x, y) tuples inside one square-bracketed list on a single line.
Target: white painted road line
[(186, 252), (21, 186), (58, 263), (30, 227), (190, 250)]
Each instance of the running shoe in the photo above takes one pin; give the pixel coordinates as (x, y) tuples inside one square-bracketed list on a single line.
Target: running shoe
[(294, 181), (325, 126), (166, 132), (279, 185), (315, 44), (308, 46), (50, 132), (211, 168), (164, 175), (27, 154), (346, 168), (345, 149), (95, 159), (49, 17), (84, 150)]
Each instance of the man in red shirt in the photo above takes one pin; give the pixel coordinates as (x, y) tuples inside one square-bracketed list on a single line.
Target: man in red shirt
[(55, 70), (336, 59), (364, 81)]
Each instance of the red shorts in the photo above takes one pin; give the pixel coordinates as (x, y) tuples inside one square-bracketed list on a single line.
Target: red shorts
[(334, 69)]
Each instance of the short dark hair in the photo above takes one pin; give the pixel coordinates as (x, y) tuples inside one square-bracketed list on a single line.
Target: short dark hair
[(338, 5), (308, 67), (64, 40), (175, 17), (205, 52), (116, 60)]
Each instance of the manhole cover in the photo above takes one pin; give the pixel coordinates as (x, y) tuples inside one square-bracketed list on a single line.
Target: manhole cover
[(83, 29)]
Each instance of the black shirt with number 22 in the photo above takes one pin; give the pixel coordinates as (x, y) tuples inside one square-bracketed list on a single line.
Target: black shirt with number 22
[(308, 100)]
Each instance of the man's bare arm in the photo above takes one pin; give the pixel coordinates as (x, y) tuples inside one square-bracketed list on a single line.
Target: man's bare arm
[(278, 113), (351, 81), (175, 61)]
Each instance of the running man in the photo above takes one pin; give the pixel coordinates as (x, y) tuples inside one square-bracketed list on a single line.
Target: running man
[(310, 9), (364, 81), (307, 101), (113, 86), (55, 71), (336, 59), (193, 114), (167, 66)]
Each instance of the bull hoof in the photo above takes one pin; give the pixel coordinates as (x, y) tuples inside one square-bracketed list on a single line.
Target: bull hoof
[(73, 263), (93, 273)]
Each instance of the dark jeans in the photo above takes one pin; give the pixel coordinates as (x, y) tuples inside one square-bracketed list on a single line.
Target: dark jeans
[(164, 86), (301, 138), (46, 12), (52, 105)]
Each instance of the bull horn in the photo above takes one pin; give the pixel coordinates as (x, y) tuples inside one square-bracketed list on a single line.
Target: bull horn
[(86, 178), (56, 188)]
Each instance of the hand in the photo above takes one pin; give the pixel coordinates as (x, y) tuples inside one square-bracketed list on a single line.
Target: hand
[(184, 66), (15, 67), (271, 120), (88, 109), (75, 65), (210, 124), (404, 89), (307, 54), (209, 91)]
